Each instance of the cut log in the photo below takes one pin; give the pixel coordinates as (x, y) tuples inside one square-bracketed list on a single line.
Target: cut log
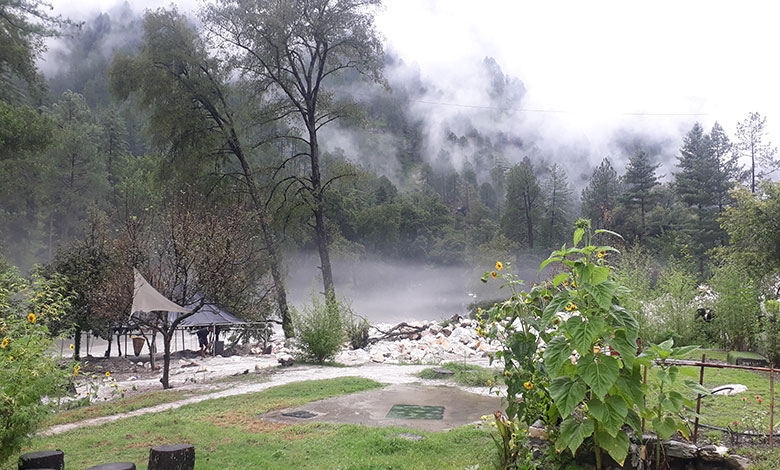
[(114, 466), (44, 459), (172, 457)]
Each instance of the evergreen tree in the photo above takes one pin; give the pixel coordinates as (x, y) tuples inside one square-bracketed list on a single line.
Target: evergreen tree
[(600, 197), (523, 204), (693, 183), (557, 205), (639, 181), (750, 143), (727, 170)]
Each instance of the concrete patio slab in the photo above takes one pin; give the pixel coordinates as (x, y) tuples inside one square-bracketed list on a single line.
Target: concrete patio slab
[(371, 408)]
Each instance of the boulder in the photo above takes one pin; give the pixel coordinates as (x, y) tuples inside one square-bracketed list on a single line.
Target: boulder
[(737, 462), (285, 359), (712, 453), (680, 450)]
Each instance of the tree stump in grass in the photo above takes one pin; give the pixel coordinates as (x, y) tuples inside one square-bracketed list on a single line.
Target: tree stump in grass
[(114, 466), (172, 457), (54, 459)]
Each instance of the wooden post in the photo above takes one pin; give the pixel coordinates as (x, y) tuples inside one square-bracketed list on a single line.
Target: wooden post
[(771, 405), (644, 382), (114, 466), (698, 400)]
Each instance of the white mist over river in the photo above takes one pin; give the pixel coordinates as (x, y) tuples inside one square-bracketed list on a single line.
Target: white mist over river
[(394, 291)]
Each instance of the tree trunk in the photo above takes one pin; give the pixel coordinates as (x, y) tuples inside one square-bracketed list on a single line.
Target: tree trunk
[(268, 237), (319, 216), (172, 457), (119, 343), (76, 344), (53, 459), (166, 358)]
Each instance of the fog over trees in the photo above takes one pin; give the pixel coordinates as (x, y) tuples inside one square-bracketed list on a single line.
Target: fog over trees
[(340, 152)]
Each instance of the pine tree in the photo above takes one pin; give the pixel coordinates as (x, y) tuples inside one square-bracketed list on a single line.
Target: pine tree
[(726, 170), (639, 181), (523, 204), (557, 205), (600, 197), (693, 183)]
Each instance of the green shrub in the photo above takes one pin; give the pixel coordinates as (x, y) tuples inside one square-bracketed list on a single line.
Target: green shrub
[(357, 331), (319, 329), (736, 308), (28, 372)]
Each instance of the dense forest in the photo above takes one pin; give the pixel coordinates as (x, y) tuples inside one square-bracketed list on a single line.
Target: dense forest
[(237, 138)]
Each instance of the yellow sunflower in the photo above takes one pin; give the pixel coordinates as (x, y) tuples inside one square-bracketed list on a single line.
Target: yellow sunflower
[(499, 265), (31, 317)]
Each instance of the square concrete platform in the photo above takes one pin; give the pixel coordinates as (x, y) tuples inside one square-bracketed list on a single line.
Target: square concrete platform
[(371, 408)]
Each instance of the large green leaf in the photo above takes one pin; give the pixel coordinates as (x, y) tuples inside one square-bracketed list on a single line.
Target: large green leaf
[(548, 261), (523, 345), (626, 348), (683, 351), (602, 293), (672, 402), (611, 413), (572, 433), (557, 304), (599, 372), (629, 386), (584, 332), (567, 394), (599, 274), (695, 387), (624, 318), (560, 278), (633, 420), (557, 354), (578, 235), (616, 446), (665, 427)]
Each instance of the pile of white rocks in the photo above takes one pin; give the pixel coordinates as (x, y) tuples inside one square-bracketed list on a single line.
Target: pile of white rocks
[(423, 342)]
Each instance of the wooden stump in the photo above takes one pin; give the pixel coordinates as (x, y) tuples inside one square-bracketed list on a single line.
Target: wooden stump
[(114, 466), (44, 459), (172, 457)]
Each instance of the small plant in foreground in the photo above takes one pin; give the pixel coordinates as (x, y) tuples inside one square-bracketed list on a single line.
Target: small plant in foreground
[(357, 331), (319, 329), (28, 372)]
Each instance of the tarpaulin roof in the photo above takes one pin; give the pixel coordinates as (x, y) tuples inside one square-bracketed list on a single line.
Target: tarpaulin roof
[(147, 299), (208, 315)]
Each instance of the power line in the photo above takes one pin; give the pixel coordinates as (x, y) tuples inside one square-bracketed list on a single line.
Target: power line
[(550, 111)]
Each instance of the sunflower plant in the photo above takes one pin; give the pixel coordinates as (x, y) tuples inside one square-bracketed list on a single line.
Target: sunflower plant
[(29, 374), (587, 371)]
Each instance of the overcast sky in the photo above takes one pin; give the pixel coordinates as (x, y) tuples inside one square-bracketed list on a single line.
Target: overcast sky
[(590, 66)]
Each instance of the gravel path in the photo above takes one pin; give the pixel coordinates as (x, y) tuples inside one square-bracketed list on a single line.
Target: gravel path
[(385, 373)]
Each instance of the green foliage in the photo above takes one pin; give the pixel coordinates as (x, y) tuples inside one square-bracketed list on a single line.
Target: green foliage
[(578, 314), (666, 403), (470, 375), (771, 325), (600, 197), (28, 372), (520, 221), (357, 331), (319, 329), (736, 308), (674, 307)]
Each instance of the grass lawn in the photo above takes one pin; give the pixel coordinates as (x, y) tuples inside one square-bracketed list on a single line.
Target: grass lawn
[(725, 410), (465, 374), (227, 435)]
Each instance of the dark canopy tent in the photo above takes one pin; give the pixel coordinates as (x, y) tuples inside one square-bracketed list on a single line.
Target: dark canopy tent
[(208, 315)]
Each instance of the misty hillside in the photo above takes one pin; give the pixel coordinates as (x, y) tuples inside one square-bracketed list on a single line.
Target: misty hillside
[(133, 115)]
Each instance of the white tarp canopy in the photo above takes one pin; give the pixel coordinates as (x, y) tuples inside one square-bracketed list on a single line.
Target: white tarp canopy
[(147, 299)]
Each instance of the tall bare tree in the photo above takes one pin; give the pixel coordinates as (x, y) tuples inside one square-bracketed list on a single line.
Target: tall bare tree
[(750, 143), (292, 49), (194, 115)]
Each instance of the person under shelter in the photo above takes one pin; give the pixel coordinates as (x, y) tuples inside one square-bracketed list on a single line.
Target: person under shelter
[(203, 340)]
